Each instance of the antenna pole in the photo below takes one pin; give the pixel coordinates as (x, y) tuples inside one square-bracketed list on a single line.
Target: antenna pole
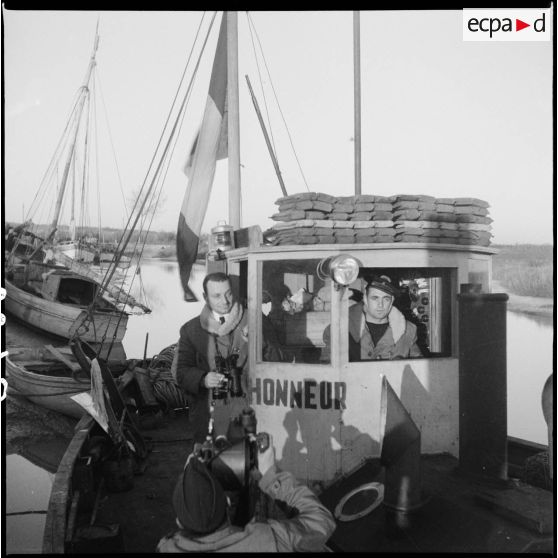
[(356, 50), (266, 136)]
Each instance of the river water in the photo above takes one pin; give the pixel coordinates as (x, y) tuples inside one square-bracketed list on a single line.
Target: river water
[(529, 359)]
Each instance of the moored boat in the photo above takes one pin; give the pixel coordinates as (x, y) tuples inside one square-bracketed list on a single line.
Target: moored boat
[(59, 301), (46, 381), (46, 287), (49, 378), (430, 431)]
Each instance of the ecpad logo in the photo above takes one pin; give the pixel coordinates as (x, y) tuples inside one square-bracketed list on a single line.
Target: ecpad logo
[(506, 25)]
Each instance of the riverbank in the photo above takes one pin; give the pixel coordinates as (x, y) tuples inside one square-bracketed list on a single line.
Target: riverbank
[(533, 305)]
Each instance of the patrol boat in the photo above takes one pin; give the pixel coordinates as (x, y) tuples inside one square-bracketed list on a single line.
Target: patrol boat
[(411, 455)]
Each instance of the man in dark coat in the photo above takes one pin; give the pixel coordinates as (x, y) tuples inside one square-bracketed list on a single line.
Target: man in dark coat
[(220, 331)]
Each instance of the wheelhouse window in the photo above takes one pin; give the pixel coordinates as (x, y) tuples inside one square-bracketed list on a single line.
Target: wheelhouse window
[(418, 327), (296, 312)]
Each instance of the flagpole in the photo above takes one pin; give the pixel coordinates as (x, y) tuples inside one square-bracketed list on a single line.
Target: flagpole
[(356, 55), (233, 120)]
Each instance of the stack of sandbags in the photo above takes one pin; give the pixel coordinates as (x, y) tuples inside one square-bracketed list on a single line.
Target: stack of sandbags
[(414, 218), (474, 223), (314, 205), (307, 205), (463, 221), (316, 218)]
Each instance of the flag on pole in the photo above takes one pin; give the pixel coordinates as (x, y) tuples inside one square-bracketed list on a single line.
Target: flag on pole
[(209, 145)]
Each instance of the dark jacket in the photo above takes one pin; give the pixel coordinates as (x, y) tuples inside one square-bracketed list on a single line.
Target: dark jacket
[(196, 356), (309, 530), (398, 341)]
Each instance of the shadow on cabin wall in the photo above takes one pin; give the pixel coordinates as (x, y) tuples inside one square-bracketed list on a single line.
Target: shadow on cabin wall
[(414, 396), (319, 444)]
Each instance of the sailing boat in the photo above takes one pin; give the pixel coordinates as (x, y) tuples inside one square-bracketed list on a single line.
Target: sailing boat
[(48, 288)]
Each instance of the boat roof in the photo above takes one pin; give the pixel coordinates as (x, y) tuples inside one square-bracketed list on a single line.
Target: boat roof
[(66, 273), (358, 247)]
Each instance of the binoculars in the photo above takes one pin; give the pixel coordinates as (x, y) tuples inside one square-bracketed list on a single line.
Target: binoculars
[(231, 385)]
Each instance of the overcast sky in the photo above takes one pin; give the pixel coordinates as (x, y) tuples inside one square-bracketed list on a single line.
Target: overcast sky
[(440, 116)]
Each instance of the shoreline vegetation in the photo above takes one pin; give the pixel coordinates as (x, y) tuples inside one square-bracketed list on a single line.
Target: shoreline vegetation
[(525, 273)]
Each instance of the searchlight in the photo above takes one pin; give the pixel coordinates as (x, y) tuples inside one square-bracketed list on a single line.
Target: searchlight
[(343, 269)]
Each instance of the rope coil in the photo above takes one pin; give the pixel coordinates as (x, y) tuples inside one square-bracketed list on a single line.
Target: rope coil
[(165, 388)]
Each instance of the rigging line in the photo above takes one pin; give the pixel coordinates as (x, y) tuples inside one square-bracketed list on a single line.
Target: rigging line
[(51, 174), (168, 119), (98, 76), (172, 132), (73, 204), (96, 151), (280, 111), (142, 221), (83, 220), (168, 157), (261, 85), (124, 242), (154, 203), (58, 146), (86, 165)]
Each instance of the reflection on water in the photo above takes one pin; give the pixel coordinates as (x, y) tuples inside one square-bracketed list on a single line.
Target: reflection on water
[(28, 490), (529, 360)]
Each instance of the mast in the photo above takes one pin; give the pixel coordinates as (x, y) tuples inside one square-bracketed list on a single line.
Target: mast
[(233, 120), (84, 94), (72, 217), (356, 56)]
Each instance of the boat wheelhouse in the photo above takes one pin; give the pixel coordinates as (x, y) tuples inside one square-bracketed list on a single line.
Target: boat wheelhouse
[(322, 409)]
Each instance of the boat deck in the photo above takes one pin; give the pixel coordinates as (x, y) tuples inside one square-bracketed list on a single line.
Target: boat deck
[(144, 514), (460, 515)]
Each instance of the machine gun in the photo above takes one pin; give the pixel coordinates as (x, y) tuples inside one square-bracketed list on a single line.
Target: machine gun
[(233, 460)]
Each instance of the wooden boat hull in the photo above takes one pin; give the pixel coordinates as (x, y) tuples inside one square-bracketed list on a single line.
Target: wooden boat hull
[(60, 496), (49, 391), (60, 319)]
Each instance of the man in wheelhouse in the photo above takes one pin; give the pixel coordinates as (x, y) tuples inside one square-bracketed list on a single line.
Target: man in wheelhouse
[(377, 329)]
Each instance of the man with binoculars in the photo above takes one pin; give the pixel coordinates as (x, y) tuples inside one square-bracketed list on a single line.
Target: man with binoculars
[(206, 517), (212, 353)]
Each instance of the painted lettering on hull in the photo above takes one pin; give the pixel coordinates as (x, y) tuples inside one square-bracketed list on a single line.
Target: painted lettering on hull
[(307, 394)]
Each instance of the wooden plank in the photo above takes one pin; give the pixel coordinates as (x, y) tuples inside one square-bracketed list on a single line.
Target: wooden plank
[(527, 505), (72, 517), (73, 366)]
